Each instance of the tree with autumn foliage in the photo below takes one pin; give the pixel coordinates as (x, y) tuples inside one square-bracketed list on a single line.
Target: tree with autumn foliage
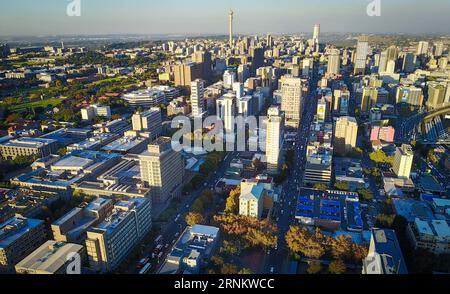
[(193, 218), (337, 267), (300, 240), (232, 204)]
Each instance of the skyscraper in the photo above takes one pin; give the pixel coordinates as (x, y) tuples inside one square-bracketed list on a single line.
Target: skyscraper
[(230, 27), (197, 97), (291, 99), (345, 135), (229, 77), (162, 169), (257, 54), (226, 111), (334, 62), (362, 49), (274, 139), (422, 48), (438, 49), (316, 35), (403, 161)]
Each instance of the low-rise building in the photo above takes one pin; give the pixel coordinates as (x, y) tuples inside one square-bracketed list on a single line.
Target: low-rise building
[(39, 147), (192, 250), (385, 255), (19, 236), (52, 257), (431, 235)]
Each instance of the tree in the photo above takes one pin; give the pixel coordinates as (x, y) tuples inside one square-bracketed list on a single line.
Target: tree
[(365, 194), (431, 156), (229, 269), (342, 186), (381, 157), (314, 267), (320, 186), (300, 240), (246, 271), (337, 267), (193, 218), (232, 203)]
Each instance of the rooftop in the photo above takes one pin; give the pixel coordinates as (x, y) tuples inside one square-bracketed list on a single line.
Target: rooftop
[(14, 228)]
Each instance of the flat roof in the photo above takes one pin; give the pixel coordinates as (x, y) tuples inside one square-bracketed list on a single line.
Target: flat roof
[(49, 257), (14, 228)]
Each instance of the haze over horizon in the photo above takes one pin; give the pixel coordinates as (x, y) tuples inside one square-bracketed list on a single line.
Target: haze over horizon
[(197, 17)]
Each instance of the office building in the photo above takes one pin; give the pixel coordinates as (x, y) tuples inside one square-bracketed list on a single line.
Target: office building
[(385, 255), (238, 89), (430, 235), (316, 35), (162, 169), (403, 161), (186, 73), (229, 78), (72, 227), (345, 135), (111, 241), (24, 146), (409, 95), (292, 101), (422, 48), (409, 62), (148, 121), (145, 98), (384, 134), (436, 95), (257, 56), (226, 111), (204, 59), (332, 210), (197, 98), (88, 113), (243, 73), (50, 258), (274, 139), (19, 236), (341, 101), (362, 50), (334, 62)]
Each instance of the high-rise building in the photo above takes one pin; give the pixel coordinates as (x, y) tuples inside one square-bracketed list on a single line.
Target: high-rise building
[(230, 27), (274, 139), (388, 60), (316, 35), (436, 95), (322, 110), (148, 121), (292, 99), (243, 73), (185, 73), (362, 50), (226, 111), (422, 48), (409, 62), (257, 55), (162, 169), (19, 236), (229, 77), (409, 95), (438, 49), (403, 161), (111, 241), (341, 100), (345, 134), (238, 88), (334, 62), (269, 41), (197, 97), (204, 59)]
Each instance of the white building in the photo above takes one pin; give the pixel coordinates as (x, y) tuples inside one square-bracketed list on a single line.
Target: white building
[(92, 111), (274, 139), (251, 199), (197, 97), (148, 121)]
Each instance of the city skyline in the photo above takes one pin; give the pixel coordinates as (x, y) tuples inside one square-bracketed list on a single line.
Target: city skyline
[(200, 17)]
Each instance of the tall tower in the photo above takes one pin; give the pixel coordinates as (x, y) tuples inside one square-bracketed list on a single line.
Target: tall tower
[(230, 26)]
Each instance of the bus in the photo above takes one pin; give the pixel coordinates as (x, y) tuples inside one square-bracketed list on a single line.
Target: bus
[(145, 269)]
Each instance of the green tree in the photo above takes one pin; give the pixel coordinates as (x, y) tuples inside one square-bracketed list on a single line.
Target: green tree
[(232, 203), (320, 186), (342, 186), (365, 194)]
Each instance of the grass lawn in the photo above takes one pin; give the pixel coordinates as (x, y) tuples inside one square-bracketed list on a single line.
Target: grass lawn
[(41, 103)]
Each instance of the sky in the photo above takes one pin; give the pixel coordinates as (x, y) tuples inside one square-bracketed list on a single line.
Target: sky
[(193, 17)]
